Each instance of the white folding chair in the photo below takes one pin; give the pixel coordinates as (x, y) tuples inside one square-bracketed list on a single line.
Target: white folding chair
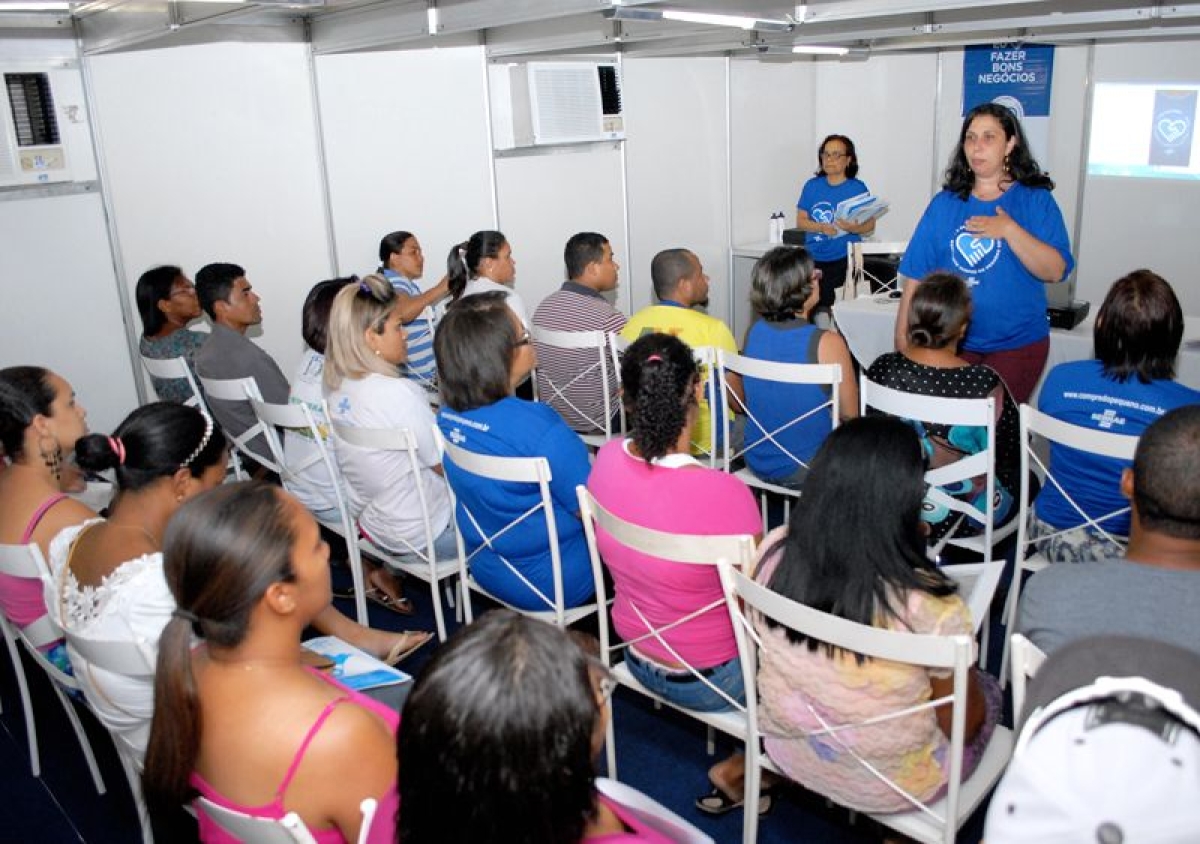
[(178, 368), (289, 829), (240, 390), (527, 470), (426, 566), (709, 450), (1027, 659), (129, 658), (756, 433), (675, 548), (856, 272), (1037, 426), (651, 813), (581, 367), (298, 417), (938, 822), (963, 412), (27, 561)]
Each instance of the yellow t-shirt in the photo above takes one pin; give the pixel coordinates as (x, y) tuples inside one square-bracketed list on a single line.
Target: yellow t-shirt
[(697, 329)]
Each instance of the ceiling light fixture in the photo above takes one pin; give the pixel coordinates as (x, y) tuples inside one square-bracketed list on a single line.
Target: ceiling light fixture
[(820, 50), (707, 18)]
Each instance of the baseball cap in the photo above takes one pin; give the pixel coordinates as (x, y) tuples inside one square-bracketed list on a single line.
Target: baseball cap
[(1109, 748)]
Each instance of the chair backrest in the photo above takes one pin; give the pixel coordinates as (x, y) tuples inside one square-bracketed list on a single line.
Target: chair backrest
[(954, 412), (241, 390), (651, 813), (737, 550), (708, 450), (172, 368), (127, 657), (289, 829), (588, 368), (529, 470), (27, 561), (856, 267), (747, 599), (1035, 425), (977, 584), (1027, 659), (823, 374)]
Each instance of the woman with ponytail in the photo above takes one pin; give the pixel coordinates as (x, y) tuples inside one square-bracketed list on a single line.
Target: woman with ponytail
[(241, 720), (930, 365), (484, 264), (402, 263)]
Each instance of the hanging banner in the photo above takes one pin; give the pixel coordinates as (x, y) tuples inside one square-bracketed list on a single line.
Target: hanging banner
[(1017, 76)]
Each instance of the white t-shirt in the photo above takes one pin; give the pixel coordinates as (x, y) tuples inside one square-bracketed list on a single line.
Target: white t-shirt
[(485, 285), (379, 484), (312, 486)]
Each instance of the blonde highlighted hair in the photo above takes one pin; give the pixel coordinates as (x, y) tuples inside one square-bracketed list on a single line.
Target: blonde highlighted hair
[(357, 309)]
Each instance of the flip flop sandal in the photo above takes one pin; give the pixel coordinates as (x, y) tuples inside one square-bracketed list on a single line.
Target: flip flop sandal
[(404, 648), (400, 606), (717, 802), (344, 592)]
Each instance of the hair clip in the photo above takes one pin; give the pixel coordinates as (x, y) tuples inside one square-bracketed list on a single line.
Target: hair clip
[(118, 448), (208, 431), (185, 615), (363, 287), (654, 358)]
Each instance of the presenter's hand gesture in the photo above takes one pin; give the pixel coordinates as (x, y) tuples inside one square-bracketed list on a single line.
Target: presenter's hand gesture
[(998, 226)]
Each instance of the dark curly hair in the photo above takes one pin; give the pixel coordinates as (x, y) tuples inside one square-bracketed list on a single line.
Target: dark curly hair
[(1022, 166), (658, 380)]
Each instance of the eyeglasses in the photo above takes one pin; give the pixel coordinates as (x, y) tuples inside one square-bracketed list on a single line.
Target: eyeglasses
[(183, 291), (524, 339), (835, 154), (411, 251)]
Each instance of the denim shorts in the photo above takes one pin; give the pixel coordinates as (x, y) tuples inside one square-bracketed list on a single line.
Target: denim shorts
[(684, 689)]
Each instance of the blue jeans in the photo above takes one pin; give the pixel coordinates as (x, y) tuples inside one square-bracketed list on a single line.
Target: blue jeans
[(685, 689)]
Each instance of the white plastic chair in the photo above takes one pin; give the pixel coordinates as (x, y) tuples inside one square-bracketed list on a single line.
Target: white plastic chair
[(590, 361), (27, 561), (1027, 659), (967, 412), (651, 813), (829, 375), (938, 822), (676, 548), (1036, 426), (429, 568), (239, 390), (129, 658), (856, 273), (528, 470), (299, 418), (289, 829)]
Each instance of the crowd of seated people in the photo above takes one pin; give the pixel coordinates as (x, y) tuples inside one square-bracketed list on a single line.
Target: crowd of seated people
[(180, 558)]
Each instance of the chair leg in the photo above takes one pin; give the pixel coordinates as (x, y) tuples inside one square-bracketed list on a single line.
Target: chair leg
[(1010, 622), (81, 737), (35, 761), (610, 745), (751, 793), (711, 740), (984, 633), (135, 789), (437, 609)]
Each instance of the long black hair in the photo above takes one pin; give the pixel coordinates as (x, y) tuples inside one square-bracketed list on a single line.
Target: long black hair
[(25, 392), (1021, 165), (462, 264), (855, 546), (658, 385)]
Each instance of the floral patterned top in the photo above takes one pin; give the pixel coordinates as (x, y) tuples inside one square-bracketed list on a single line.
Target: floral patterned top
[(179, 344)]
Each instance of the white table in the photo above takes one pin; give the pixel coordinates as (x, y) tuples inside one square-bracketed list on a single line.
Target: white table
[(868, 324)]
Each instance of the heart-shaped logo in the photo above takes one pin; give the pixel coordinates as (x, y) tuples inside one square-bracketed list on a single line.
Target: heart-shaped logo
[(1171, 129), (973, 249), (823, 213)]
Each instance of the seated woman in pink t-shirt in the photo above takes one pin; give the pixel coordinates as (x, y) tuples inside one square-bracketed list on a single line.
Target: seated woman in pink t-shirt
[(241, 720)]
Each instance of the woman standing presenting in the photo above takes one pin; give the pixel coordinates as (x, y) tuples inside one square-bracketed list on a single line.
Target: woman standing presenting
[(827, 236), (996, 225)]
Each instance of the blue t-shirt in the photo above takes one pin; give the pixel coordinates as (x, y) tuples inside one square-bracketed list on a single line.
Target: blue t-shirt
[(819, 200), (513, 427), (1010, 302), (773, 404), (1079, 393), (420, 365)]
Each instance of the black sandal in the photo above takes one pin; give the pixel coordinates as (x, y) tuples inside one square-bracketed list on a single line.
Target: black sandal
[(717, 802)]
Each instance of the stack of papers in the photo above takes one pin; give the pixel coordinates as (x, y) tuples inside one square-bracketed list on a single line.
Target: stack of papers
[(360, 671), (859, 209)]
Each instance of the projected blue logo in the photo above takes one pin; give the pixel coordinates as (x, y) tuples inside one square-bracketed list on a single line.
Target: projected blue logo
[(974, 254), (1173, 127)]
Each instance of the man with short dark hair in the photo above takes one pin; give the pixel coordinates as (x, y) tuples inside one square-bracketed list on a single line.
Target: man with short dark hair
[(680, 284), (569, 380), (231, 303), (1154, 591)]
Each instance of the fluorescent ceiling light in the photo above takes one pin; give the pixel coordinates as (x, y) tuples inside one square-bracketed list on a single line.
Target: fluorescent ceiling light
[(820, 50), (35, 7), (706, 18)]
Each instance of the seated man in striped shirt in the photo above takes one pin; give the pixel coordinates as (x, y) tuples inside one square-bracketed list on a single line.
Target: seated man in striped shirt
[(569, 380)]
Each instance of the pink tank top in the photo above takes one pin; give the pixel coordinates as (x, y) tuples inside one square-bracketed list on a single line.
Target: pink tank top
[(383, 828), (21, 598)]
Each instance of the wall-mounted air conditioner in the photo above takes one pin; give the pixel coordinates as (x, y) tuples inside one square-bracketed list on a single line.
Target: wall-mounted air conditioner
[(539, 103), (33, 144)]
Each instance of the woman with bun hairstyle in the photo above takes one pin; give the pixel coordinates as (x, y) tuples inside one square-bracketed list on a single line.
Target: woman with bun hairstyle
[(402, 263), (484, 264), (40, 422), (930, 365), (241, 720)]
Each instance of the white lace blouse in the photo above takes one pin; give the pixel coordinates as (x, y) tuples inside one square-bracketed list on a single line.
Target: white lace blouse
[(132, 603)]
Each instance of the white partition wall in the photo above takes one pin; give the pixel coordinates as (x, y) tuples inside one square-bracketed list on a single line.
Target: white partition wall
[(406, 147), (211, 155)]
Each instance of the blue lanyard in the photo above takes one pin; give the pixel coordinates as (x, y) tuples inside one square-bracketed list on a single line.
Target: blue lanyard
[(671, 303)]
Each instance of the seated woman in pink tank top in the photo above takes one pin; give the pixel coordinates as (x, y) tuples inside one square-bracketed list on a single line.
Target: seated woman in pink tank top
[(240, 720), (40, 421)]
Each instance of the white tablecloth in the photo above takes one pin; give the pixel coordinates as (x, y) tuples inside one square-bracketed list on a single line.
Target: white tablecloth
[(868, 325)]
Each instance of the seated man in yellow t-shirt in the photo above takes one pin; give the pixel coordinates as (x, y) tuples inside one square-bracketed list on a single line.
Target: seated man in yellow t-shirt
[(680, 284)]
